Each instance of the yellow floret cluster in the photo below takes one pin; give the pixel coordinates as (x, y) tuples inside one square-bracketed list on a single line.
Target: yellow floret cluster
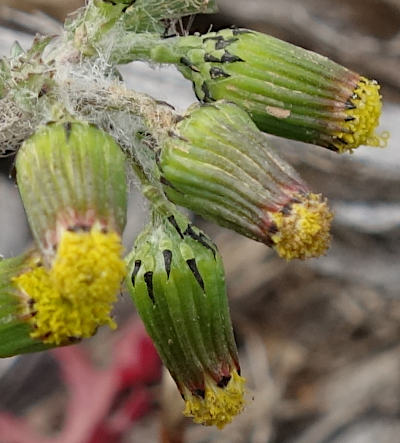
[(219, 405), (304, 232), (363, 118), (75, 296)]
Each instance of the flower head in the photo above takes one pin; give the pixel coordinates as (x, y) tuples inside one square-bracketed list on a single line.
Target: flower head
[(218, 404), (74, 297), (287, 90), (302, 227), (217, 163), (72, 182), (362, 116), (176, 280)]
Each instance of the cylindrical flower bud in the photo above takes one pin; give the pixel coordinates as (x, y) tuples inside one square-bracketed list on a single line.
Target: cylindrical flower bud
[(176, 279), (72, 181), (17, 311), (287, 90), (217, 163)]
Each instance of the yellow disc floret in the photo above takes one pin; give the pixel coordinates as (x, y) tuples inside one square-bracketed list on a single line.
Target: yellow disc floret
[(362, 118), (75, 296), (219, 405), (304, 232)]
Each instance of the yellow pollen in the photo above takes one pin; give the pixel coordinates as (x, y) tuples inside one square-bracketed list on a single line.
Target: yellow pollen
[(219, 405), (75, 297), (359, 129), (305, 231)]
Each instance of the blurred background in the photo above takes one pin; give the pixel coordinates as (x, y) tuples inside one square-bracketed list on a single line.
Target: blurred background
[(319, 340)]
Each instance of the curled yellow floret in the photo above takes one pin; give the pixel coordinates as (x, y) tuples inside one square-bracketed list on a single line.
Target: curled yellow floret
[(362, 118), (219, 405), (304, 231), (75, 296)]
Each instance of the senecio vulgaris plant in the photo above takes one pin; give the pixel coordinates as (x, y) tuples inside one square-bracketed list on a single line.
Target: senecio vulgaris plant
[(79, 134)]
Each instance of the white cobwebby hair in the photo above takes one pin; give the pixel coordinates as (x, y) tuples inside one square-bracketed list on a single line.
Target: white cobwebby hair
[(89, 90)]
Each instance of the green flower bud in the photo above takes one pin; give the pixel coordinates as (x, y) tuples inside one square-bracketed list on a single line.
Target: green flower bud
[(72, 181), (71, 176), (287, 90), (176, 280), (217, 163)]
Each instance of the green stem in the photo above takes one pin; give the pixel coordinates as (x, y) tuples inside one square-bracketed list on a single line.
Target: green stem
[(103, 22), (158, 119), (129, 46), (153, 194)]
